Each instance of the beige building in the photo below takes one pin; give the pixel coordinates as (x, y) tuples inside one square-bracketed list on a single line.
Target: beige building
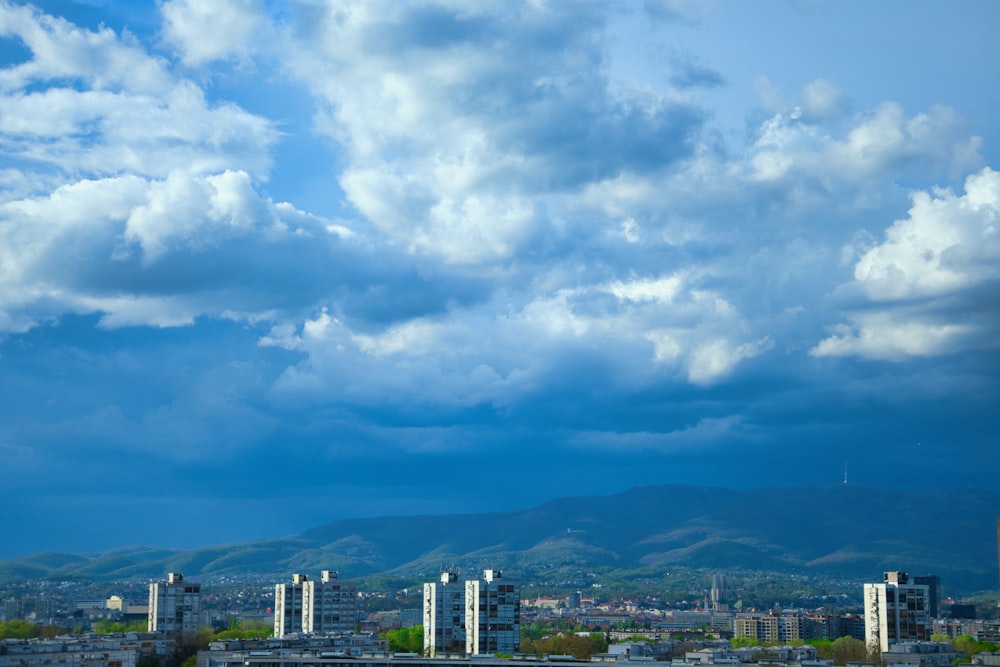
[(770, 628)]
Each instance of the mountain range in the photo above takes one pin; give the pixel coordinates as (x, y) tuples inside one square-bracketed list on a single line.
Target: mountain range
[(844, 531)]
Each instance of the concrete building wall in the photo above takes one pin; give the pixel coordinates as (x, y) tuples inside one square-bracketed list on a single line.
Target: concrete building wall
[(492, 615), (444, 616), (174, 607), (329, 605), (289, 606), (896, 611)]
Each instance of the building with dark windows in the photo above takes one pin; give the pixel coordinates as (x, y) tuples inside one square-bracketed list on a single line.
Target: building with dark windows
[(322, 606), (174, 607), (444, 616), (896, 611), (492, 615)]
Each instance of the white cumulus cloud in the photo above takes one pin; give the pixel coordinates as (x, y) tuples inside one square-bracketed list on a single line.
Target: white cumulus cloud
[(207, 30), (922, 281)]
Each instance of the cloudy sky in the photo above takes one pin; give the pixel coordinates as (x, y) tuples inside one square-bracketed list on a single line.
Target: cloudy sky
[(268, 263)]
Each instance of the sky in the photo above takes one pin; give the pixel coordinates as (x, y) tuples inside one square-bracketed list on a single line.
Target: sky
[(269, 263)]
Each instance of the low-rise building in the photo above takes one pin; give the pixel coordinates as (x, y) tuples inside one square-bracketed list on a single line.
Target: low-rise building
[(116, 650), (920, 654)]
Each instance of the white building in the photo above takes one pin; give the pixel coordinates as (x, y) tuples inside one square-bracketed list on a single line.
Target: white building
[(492, 615), (896, 611), (289, 605), (174, 607), (444, 616), (315, 607)]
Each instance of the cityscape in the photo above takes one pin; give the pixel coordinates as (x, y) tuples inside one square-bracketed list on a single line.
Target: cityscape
[(900, 621), (499, 333)]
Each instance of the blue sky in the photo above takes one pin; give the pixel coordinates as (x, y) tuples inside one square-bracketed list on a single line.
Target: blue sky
[(268, 264)]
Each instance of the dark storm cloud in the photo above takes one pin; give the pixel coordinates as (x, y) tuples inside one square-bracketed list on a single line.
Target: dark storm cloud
[(372, 244)]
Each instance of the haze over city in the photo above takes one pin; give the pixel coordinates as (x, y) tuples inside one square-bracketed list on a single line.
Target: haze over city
[(264, 264)]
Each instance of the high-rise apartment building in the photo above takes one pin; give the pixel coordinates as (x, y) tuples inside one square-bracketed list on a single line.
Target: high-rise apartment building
[(174, 607), (896, 610), (492, 615), (329, 605), (289, 603), (315, 607), (444, 616)]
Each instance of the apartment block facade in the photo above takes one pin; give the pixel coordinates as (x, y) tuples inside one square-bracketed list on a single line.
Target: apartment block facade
[(492, 615), (444, 616), (174, 607), (896, 611), (321, 606), (289, 605), (329, 605)]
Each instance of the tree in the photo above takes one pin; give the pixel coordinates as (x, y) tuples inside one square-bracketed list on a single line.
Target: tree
[(970, 646), (581, 648), (849, 649), (17, 629), (107, 627), (406, 640), (249, 629), (151, 660), (744, 642)]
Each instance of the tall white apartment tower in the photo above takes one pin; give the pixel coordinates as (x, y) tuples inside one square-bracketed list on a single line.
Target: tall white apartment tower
[(492, 615), (289, 606), (329, 605), (896, 611), (444, 616), (174, 607)]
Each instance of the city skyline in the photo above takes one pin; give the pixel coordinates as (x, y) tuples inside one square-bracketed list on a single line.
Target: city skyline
[(269, 263)]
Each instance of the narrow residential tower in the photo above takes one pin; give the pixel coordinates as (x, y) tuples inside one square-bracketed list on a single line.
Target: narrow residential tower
[(896, 611), (174, 607), (492, 615)]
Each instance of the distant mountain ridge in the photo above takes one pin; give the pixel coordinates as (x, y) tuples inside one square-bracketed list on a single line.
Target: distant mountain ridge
[(844, 531)]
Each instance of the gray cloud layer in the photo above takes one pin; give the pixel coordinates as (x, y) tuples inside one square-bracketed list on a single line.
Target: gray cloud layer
[(530, 256)]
